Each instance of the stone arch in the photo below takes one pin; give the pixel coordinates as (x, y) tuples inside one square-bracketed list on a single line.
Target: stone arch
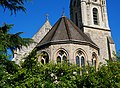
[(80, 57), (61, 55), (44, 57)]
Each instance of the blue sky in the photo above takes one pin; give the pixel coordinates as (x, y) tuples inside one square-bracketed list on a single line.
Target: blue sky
[(34, 18)]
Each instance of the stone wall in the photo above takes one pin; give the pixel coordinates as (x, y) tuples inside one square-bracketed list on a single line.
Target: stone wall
[(70, 50), (99, 37)]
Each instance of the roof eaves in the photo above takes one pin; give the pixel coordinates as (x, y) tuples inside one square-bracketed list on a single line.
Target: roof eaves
[(69, 41)]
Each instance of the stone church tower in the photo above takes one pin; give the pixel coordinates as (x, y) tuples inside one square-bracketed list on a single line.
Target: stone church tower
[(91, 17)]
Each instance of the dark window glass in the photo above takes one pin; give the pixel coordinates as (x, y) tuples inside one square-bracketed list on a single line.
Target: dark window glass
[(82, 61), (42, 61), (77, 60), (58, 59), (47, 60), (65, 58), (95, 16)]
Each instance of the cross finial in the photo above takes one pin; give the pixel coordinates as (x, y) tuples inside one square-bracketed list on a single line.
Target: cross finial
[(46, 16), (63, 12)]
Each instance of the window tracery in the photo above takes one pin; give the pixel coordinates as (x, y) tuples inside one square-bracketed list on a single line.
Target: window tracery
[(80, 58), (61, 56)]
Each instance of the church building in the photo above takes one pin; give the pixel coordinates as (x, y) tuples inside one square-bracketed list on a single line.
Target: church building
[(83, 39)]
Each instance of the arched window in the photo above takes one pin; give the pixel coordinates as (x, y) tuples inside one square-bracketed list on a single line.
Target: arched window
[(94, 60), (61, 56), (95, 16), (80, 60), (44, 57)]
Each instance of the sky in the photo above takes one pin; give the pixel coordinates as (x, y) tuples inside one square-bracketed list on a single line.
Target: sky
[(35, 16)]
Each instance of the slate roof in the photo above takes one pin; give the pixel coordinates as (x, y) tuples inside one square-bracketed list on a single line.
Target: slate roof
[(65, 31)]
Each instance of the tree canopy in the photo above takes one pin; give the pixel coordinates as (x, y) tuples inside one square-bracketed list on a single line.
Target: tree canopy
[(11, 41), (62, 75), (13, 5), (7, 40)]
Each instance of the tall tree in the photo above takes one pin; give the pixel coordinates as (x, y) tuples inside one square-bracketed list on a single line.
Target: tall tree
[(11, 41)]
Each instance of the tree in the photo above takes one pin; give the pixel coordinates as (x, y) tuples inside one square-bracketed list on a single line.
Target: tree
[(11, 41), (13, 5), (107, 76), (68, 75), (63, 75)]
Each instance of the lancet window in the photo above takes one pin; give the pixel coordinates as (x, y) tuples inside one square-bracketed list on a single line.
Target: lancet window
[(95, 16)]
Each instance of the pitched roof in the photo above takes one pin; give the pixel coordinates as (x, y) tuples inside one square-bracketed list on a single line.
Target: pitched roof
[(42, 31), (65, 31)]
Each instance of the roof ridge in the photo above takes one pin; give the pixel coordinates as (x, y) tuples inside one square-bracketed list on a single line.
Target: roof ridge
[(56, 28), (67, 28)]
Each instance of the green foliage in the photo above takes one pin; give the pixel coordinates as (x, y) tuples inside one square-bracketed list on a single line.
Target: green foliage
[(8, 69), (13, 5), (11, 41), (107, 76), (33, 74)]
